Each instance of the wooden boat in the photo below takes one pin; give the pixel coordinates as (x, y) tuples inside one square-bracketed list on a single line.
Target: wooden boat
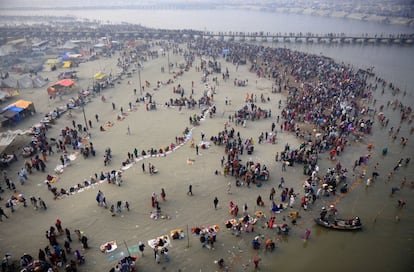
[(340, 224)]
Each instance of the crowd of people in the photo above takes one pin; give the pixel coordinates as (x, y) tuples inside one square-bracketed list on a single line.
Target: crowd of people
[(327, 97)]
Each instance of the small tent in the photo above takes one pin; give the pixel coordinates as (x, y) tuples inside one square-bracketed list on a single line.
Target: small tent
[(51, 64), (67, 64), (99, 76), (9, 82), (25, 82), (39, 82)]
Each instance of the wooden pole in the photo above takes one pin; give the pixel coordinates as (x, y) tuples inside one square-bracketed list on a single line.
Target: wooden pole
[(188, 238), (139, 77), (129, 253)]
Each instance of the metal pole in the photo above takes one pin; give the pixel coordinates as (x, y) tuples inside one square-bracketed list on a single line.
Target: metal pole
[(188, 238)]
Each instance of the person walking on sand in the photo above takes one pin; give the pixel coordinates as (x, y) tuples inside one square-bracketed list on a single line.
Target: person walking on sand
[(84, 241), (143, 167), (245, 208), (33, 200), (282, 183), (215, 201), (42, 204), (163, 194), (99, 198), (291, 201), (141, 247), (196, 149), (228, 188), (119, 206), (67, 232), (284, 166), (58, 225), (2, 214), (272, 193), (112, 210), (190, 190), (156, 255)]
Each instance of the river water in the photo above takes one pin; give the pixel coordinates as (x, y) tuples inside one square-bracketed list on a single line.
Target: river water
[(395, 62), (386, 244)]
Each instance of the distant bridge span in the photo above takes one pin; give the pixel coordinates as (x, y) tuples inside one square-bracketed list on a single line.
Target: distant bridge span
[(127, 32)]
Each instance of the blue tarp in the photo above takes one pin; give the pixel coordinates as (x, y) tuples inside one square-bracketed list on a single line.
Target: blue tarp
[(123, 253), (12, 108), (15, 109)]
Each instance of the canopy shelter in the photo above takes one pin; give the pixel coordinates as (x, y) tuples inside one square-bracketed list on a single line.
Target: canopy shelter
[(51, 64), (61, 87), (16, 111), (52, 61), (67, 64), (72, 55), (67, 75), (99, 76), (65, 83), (24, 104)]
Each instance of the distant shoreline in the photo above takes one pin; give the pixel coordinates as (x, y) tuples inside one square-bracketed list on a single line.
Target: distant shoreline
[(368, 17)]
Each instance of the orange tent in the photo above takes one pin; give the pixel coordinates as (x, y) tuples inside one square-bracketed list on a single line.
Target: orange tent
[(23, 104), (65, 83)]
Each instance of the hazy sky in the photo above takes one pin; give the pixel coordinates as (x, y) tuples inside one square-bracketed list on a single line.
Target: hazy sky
[(14, 3), (45, 3)]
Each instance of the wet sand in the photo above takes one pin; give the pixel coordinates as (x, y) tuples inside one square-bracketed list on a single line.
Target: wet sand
[(24, 230)]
